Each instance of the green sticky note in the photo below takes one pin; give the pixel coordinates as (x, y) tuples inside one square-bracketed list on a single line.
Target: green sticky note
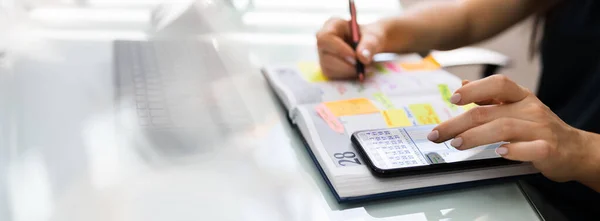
[(446, 94), (380, 68), (384, 100)]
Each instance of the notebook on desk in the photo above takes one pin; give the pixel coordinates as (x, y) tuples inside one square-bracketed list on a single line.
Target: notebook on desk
[(404, 92)]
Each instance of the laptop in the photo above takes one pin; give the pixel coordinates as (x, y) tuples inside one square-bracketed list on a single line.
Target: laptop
[(175, 98)]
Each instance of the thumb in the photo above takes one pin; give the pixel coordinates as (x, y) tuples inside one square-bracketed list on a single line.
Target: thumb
[(525, 151), (368, 46)]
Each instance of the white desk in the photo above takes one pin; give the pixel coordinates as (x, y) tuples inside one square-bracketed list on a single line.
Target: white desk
[(60, 158)]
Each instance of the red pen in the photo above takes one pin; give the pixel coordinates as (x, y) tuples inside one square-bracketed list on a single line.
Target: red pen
[(360, 67)]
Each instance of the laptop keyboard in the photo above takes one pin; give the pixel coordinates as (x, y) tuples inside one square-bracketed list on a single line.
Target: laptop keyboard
[(162, 75), (185, 99)]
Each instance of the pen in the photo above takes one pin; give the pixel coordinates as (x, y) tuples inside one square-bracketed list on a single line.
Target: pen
[(360, 67)]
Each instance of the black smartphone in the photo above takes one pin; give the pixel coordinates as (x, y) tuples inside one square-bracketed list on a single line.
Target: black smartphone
[(407, 151)]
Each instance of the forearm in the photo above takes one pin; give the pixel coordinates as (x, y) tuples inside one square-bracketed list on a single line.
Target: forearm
[(446, 24), (589, 173)]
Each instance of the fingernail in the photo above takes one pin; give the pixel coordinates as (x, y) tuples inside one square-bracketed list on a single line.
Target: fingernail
[(366, 53), (456, 142), (351, 60), (455, 98), (501, 150), (433, 135)]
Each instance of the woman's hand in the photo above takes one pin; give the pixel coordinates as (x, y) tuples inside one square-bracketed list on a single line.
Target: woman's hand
[(513, 114), (336, 56)]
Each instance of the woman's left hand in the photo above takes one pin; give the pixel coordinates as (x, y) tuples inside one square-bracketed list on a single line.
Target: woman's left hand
[(513, 114)]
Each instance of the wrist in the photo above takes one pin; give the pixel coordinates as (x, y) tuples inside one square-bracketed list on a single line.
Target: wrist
[(399, 35), (589, 162)]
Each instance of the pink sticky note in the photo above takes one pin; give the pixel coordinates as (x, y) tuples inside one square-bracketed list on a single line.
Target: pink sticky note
[(392, 66), (331, 119)]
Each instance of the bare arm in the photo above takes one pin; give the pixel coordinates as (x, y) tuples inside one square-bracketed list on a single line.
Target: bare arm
[(441, 25), (450, 24)]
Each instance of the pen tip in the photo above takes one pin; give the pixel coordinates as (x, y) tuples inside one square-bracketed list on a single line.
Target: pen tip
[(361, 77)]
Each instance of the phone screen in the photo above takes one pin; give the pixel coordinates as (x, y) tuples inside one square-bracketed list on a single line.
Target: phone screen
[(408, 147)]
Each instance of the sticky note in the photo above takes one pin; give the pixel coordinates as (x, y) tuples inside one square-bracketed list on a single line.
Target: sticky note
[(469, 106), (424, 114), (351, 107), (428, 63), (384, 100), (446, 94), (332, 121), (379, 67), (311, 71), (392, 66), (396, 118)]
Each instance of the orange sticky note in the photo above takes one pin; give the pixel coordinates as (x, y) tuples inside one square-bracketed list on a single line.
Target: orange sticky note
[(329, 118), (428, 63), (311, 71), (396, 118), (351, 107), (424, 114)]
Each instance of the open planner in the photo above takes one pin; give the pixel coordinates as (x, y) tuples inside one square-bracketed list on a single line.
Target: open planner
[(408, 91)]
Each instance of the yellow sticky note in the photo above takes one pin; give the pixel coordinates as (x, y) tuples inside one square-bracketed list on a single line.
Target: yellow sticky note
[(396, 118), (428, 63), (446, 94), (469, 106), (351, 107), (384, 100), (424, 114), (311, 71)]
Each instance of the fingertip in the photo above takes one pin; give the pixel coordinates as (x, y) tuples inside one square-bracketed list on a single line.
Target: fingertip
[(457, 142), (502, 150), (433, 135), (367, 48), (366, 53), (455, 98)]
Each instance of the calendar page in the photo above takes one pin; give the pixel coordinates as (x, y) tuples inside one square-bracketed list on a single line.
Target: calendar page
[(334, 122), (399, 94)]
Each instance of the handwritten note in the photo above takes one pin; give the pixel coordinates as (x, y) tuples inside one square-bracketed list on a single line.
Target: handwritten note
[(330, 119), (351, 107), (446, 94), (396, 118), (311, 71), (424, 114), (428, 63), (384, 100)]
